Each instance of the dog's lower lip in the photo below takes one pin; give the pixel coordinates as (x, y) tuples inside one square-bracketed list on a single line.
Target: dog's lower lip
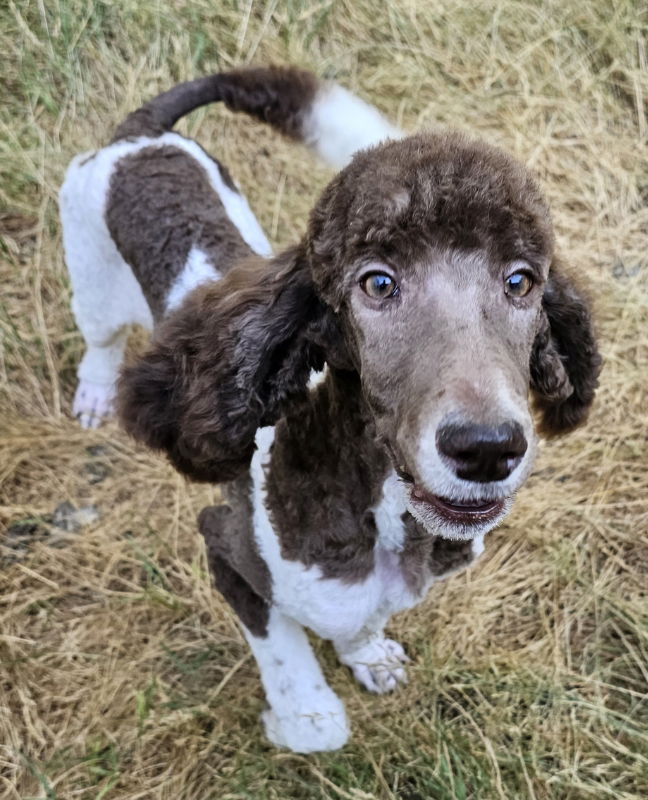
[(468, 512)]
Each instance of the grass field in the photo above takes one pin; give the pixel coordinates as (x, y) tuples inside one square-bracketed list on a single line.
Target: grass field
[(122, 674)]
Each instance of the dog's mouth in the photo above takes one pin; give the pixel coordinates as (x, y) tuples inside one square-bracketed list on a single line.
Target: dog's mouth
[(462, 512), (458, 511)]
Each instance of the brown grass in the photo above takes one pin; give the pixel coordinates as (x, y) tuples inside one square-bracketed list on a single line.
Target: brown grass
[(122, 674)]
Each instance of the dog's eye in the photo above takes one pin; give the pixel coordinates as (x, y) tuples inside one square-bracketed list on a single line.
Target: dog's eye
[(518, 284), (379, 286)]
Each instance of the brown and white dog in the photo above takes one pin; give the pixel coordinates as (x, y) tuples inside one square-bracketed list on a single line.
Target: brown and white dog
[(363, 397)]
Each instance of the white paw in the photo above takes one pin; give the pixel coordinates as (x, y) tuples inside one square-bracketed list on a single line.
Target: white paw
[(93, 402), (377, 665), (308, 730)]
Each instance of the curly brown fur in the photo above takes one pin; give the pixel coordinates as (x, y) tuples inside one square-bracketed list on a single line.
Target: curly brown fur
[(426, 192), (276, 95), (320, 488), (225, 363), (565, 362), (155, 231)]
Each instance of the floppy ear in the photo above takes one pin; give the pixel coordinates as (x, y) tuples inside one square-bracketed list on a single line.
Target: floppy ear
[(565, 362), (230, 359)]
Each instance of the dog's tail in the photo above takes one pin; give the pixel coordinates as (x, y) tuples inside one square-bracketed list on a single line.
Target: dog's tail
[(323, 115)]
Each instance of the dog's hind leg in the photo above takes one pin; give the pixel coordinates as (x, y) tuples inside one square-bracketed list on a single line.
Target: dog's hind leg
[(106, 300), (95, 393)]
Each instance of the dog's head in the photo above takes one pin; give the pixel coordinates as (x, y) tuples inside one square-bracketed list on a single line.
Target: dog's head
[(429, 269)]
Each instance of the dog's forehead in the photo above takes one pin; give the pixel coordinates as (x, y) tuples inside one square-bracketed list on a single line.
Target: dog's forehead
[(442, 191)]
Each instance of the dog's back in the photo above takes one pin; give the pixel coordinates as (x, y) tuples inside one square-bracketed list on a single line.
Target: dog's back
[(152, 215)]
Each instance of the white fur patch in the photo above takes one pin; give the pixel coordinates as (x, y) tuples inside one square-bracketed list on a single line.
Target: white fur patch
[(316, 378), (197, 270), (106, 294), (339, 124), (388, 514), (478, 545), (93, 402), (305, 714), (106, 299), (377, 664)]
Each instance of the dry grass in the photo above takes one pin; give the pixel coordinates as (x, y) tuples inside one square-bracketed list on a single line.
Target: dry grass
[(122, 675)]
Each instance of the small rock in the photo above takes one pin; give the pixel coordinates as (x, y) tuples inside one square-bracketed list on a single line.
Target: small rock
[(71, 519)]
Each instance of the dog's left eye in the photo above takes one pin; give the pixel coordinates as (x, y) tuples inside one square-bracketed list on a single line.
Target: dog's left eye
[(519, 284), (379, 286)]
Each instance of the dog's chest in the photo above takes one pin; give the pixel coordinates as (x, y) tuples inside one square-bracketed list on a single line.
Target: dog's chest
[(335, 609)]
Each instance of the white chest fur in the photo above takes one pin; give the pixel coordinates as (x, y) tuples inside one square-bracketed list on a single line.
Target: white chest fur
[(332, 608)]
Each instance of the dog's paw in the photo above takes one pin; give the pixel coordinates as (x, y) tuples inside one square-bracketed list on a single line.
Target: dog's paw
[(308, 730), (377, 665), (93, 402)]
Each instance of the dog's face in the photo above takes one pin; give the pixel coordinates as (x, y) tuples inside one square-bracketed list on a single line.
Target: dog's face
[(428, 268), (438, 287), (444, 351)]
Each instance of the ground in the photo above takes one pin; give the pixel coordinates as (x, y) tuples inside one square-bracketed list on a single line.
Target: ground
[(122, 674)]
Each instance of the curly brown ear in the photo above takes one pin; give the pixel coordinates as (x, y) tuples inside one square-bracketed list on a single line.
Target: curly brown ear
[(565, 362), (230, 359)]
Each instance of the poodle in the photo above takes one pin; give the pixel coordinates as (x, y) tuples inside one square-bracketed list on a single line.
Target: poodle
[(365, 398)]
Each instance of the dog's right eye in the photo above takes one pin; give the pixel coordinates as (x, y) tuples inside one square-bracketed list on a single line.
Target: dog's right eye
[(379, 286)]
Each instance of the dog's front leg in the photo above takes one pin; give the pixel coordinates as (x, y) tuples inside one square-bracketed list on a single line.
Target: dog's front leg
[(376, 662), (305, 715)]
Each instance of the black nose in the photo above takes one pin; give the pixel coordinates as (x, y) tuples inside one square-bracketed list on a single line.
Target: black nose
[(482, 452)]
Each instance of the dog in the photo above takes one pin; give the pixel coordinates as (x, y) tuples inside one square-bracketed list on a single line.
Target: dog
[(363, 397)]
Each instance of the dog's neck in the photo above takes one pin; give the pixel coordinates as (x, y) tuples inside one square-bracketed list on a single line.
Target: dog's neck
[(325, 476), (338, 422)]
